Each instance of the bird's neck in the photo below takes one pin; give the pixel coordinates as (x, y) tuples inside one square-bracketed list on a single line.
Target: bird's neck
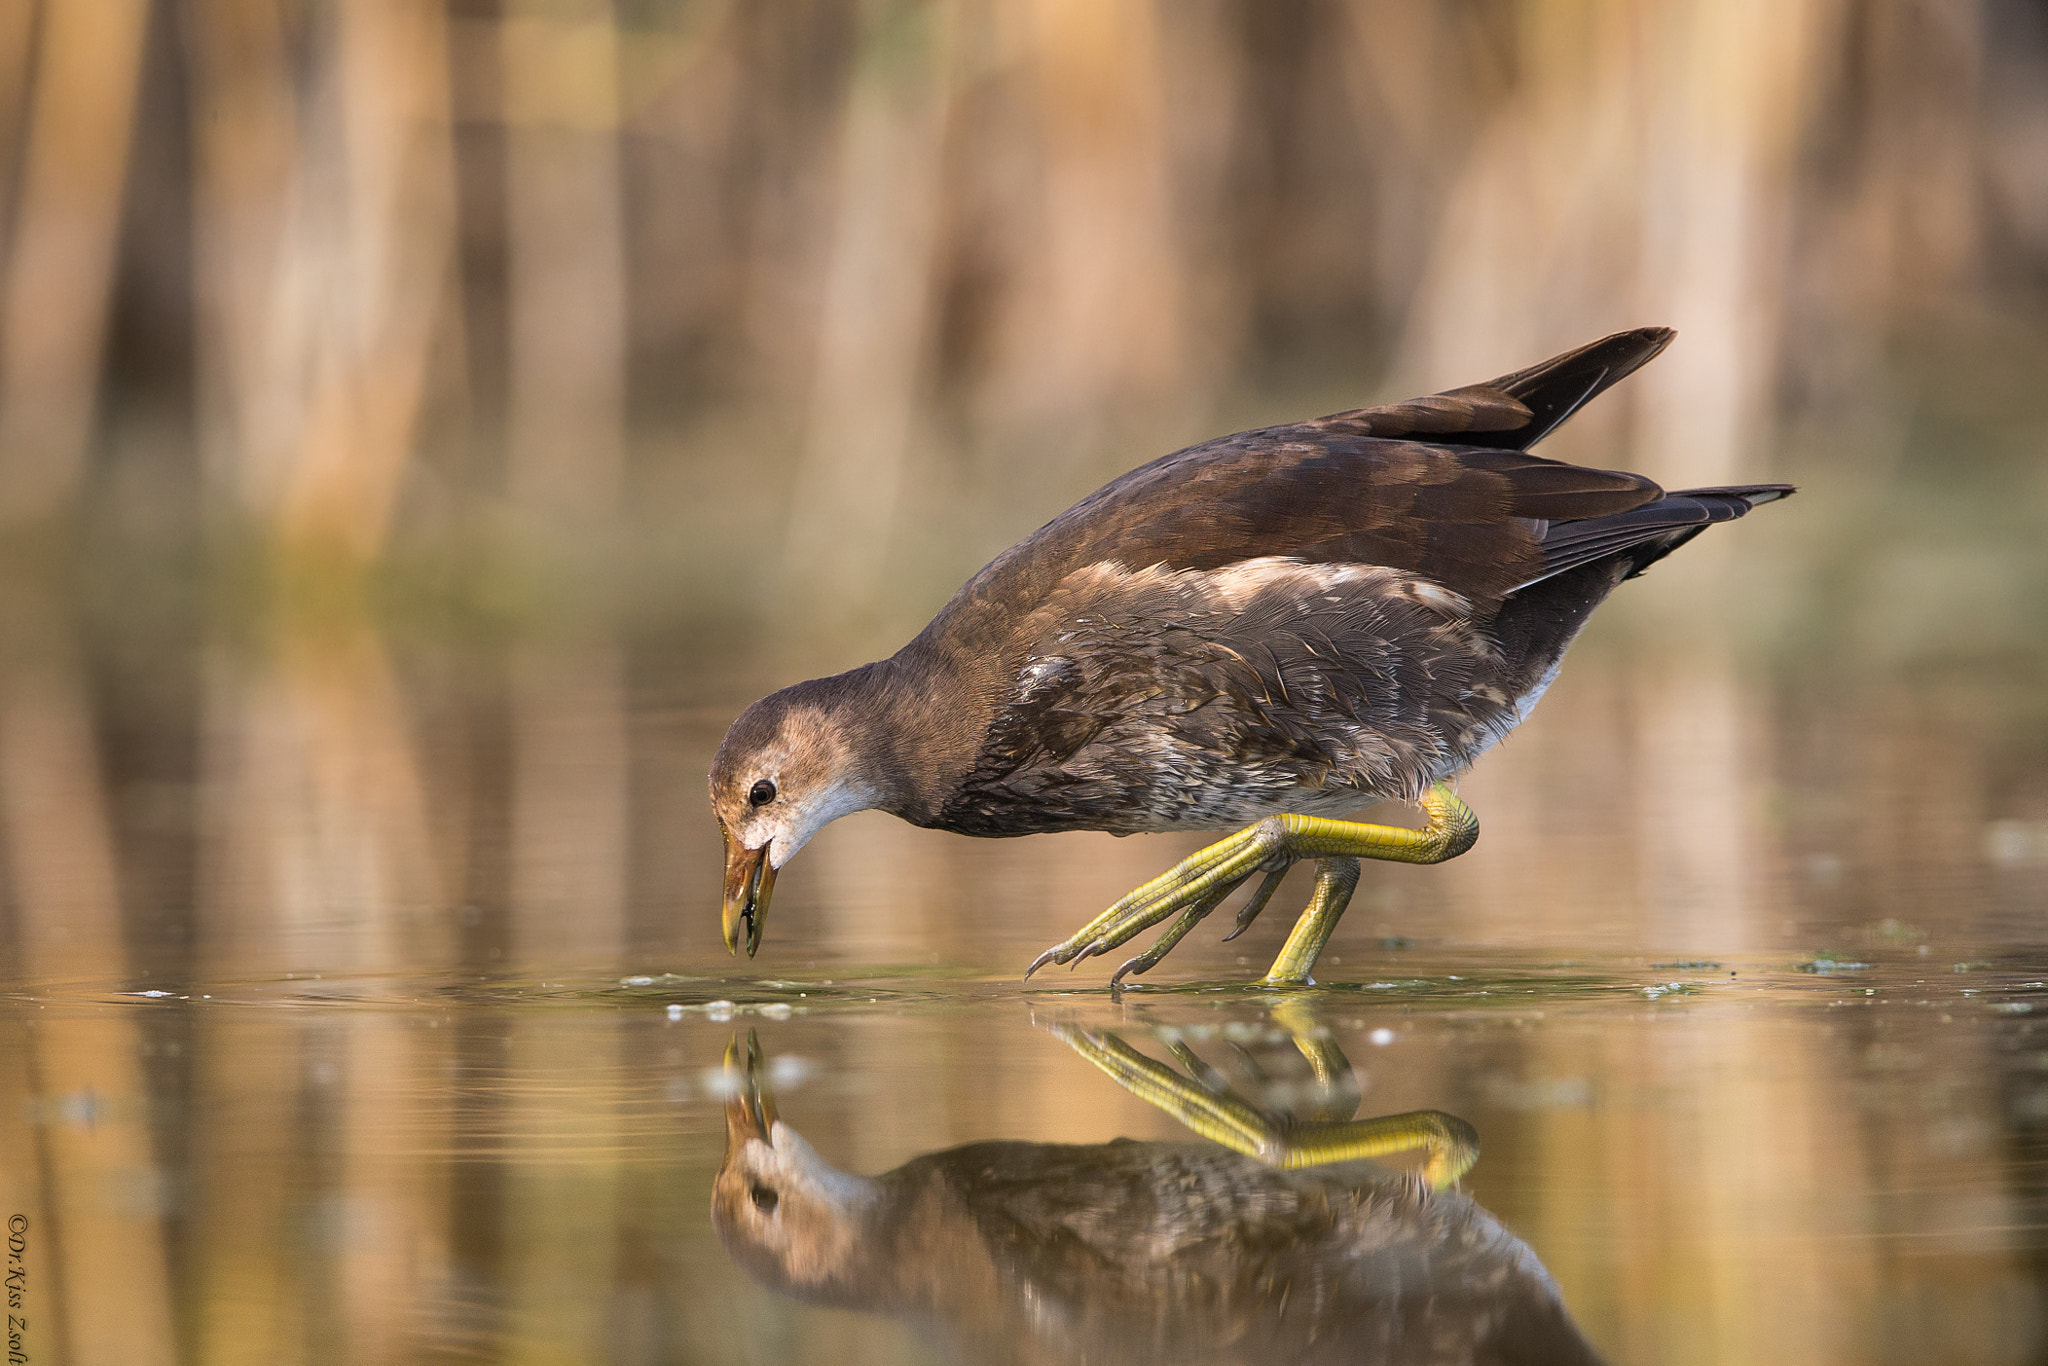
[(910, 725)]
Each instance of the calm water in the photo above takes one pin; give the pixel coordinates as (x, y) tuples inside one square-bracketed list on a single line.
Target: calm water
[(364, 1002)]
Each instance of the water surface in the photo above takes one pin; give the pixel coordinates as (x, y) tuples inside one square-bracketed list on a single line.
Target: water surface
[(366, 1004)]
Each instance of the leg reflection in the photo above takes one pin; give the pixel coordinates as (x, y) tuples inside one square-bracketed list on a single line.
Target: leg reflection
[(1202, 1101)]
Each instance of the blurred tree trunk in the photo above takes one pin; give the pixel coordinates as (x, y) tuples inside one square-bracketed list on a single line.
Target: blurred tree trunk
[(17, 48), (103, 1191), (567, 281), (1640, 173), (873, 330), (60, 261), (326, 260)]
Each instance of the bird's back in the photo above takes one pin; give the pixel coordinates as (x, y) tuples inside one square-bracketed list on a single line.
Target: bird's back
[(1307, 618)]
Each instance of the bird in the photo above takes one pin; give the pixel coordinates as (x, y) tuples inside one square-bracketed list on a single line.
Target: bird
[(1136, 1251), (1262, 633)]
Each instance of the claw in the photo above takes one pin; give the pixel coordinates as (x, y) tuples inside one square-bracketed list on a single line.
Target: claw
[(1173, 934), (1250, 910)]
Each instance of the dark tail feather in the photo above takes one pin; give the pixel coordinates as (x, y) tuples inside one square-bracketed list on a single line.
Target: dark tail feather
[(1560, 386), (1516, 411), (1648, 533)]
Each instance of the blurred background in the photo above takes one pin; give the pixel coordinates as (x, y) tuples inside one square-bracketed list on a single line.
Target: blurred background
[(402, 401), (765, 307), (425, 423)]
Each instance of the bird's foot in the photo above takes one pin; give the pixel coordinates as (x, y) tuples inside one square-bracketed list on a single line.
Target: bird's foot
[(1199, 883), (1195, 886)]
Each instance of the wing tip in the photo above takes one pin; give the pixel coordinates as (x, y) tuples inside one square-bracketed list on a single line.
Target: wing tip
[(1754, 495)]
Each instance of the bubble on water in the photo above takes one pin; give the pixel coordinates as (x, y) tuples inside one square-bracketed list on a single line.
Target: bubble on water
[(2013, 843), (788, 1071), (675, 1012), (1381, 1037), (719, 1010)]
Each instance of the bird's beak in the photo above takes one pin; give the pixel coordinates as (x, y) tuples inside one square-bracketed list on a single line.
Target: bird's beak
[(749, 878), (749, 1111)]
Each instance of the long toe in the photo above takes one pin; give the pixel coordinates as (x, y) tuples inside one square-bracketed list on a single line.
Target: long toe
[(1198, 882)]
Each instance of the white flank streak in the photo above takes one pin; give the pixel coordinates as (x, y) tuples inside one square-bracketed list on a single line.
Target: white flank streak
[(1234, 585)]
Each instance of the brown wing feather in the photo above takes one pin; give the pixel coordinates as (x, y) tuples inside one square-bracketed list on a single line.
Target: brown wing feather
[(1459, 515), (1353, 488)]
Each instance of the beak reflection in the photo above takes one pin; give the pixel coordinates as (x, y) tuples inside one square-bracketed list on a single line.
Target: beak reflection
[(750, 1111)]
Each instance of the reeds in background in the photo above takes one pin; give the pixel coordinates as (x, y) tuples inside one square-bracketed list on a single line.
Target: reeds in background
[(796, 277)]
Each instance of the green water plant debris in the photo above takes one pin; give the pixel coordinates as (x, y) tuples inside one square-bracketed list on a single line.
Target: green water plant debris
[(1828, 962)]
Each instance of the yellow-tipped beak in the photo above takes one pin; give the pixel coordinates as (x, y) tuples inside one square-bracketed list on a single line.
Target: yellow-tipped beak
[(749, 878)]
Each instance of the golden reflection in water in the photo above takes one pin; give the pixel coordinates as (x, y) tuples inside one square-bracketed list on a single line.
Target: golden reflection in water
[(563, 1173), (1723, 1177), (319, 840), (570, 855), (1727, 1190), (319, 861), (86, 1167)]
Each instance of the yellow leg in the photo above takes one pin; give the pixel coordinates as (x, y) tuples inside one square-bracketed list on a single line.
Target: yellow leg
[(1336, 880), (1199, 882)]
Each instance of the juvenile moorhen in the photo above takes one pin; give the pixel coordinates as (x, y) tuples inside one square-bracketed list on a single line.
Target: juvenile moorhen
[(1138, 1252), (1276, 627)]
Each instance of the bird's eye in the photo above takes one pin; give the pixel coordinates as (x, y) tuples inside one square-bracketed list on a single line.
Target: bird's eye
[(761, 793), (765, 1199)]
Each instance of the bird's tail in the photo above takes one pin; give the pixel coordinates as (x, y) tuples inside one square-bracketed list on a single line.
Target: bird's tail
[(1648, 533)]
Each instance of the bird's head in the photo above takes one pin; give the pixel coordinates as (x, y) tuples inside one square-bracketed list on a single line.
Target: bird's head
[(786, 769), (795, 1222)]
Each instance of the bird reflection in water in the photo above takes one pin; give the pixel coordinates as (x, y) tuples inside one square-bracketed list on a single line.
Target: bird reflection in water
[(1287, 1245)]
